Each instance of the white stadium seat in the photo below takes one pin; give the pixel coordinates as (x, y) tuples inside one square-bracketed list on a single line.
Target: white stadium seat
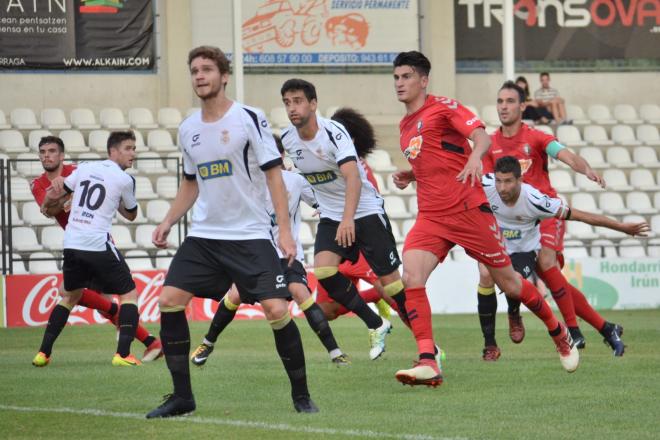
[(140, 146), (156, 210), (98, 141), (161, 141), (616, 180), (150, 163), (407, 226), (562, 181), (600, 114), (584, 184), (279, 117), (597, 135), (24, 119), (54, 119), (545, 129), (34, 137), (395, 207), (163, 259), (580, 230), (609, 233), (28, 165), (20, 190), (646, 157), (167, 187), (40, 266), (143, 188), (594, 156), (83, 119), (656, 197), (18, 265), (576, 114), (648, 135), (173, 237), (380, 161), (650, 113), (489, 115), (640, 203), (631, 248), (169, 117), (3, 121), (74, 142), (624, 135), (141, 118), (653, 248), (139, 219), (15, 218), (138, 260), (612, 203), (643, 180), (52, 238), (24, 239), (574, 249), (570, 136), (396, 233), (307, 213), (603, 248), (121, 236), (382, 187), (655, 224), (619, 157), (306, 236), (32, 215), (174, 162), (585, 202), (412, 206), (143, 234), (113, 119), (88, 157), (11, 141), (626, 114)]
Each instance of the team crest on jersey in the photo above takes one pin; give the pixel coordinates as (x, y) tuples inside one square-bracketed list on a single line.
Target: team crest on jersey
[(414, 148), (225, 136), (419, 126), (216, 168), (527, 149), (525, 164)]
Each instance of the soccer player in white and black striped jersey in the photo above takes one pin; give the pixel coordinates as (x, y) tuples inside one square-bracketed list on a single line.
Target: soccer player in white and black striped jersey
[(230, 162)]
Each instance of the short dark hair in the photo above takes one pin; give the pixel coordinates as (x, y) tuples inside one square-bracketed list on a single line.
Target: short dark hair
[(523, 80), (278, 143), (295, 84), (508, 164), (513, 86), (212, 53), (52, 140), (544, 74), (117, 137), (358, 128), (414, 59)]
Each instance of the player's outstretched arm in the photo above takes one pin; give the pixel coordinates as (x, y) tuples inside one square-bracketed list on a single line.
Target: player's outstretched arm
[(579, 165), (346, 229), (472, 170), (633, 229), (278, 195), (184, 200)]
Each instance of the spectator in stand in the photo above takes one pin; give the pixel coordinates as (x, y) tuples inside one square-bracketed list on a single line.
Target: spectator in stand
[(548, 98), (533, 112)]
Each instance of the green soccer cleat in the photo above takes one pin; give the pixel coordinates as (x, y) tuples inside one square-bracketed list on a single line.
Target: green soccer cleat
[(128, 361)]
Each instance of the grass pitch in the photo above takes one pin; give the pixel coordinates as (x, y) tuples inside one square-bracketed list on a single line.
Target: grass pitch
[(243, 392)]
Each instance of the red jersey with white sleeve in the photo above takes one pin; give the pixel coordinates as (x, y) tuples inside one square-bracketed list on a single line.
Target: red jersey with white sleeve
[(434, 140), (529, 146), (39, 186), (370, 174)]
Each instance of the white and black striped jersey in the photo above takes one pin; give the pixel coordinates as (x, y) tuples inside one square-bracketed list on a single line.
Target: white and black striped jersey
[(519, 223), (98, 188), (319, 161), (228, 157)]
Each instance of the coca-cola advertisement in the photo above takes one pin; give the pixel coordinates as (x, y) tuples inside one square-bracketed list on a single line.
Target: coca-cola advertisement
[(29, 299)]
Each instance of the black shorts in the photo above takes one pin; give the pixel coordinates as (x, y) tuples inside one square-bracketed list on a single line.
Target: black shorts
[(373, 237), (296, 273), (207, 268), (524, 263), (104, 271)]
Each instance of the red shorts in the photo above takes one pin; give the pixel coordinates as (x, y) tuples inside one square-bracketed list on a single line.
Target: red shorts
[(552, 233), (474, 230), (354, 272)]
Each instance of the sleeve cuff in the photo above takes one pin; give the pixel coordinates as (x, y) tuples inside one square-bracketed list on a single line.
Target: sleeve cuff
[(189, 176), (346, 160), (271, 164), (67, 189), (133, 209)]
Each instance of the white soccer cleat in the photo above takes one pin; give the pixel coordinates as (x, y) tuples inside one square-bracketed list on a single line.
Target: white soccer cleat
[(377, 339), (569, 355)]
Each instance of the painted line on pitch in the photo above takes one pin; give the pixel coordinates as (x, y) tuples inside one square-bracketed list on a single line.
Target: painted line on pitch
[(234, 423)]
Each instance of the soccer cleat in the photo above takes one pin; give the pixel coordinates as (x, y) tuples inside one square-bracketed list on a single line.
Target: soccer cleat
[(423, 372), (612, 333), (173, 406), (377, 339), (491, 353), (578, 337), (440, 356), (341, 361), (40, 360), (153, 351), (201, 354), (568, 352), (304, 404), (383, 309), (128, 361), (516, 328)]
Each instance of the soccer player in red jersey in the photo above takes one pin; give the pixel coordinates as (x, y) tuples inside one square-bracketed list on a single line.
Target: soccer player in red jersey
[(51, 155), (452, 210), (532, 148)]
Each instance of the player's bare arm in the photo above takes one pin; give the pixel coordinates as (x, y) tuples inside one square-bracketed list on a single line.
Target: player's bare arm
[(579, 165), (279, 198), (184, 200), (54, 203), (634, 229), (346, 229), (472, 170), (128, 215), (403, 178)]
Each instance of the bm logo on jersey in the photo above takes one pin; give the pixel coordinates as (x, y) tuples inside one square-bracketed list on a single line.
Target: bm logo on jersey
[(320, 178), (512, 234), (217, 168)]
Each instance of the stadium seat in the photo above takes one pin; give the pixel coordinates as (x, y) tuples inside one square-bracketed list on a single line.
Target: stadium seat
[(585, 202), (24, 119), (98, 141), (407, 226), (83, 119), (140, 146), (382, 187), (545, 129), (603, 248), (121, 236), (161, 141), (88, 157), (20, 190), (640, 203), (653, 248), (584, 184), (380, 161), (15, 218), (600, 114), (150, 163), (11, 141), (156, 210), (580, 230), (74, 142), (570, 136), (609, 233), (113, 119), (594, 156), (138, 260), (40, 266), (654, 222), (392, 189), (28, 165), (31, 213), (612, 203), (618, 157), (167, 187), (631, 248), (648, 135), (624, 135), (306, 236), (396, 233), (643, 180), (574, 249), (646, 157), (307, 213), (163, 259), (489, 115), (139, 219), (395, 207), (54, 119), (279, 118), (413, 209), (52, 238), (34, 137), (650, 113), (169, 117), (173, 237), (143, 189), (626, 114), (174, 162), (3, 121), (143, 235), (636, 218), (597, 135), (616, 180), (656, 197), (562, 181), (24, 239), (18, 266), (576, 114), (141, 119)]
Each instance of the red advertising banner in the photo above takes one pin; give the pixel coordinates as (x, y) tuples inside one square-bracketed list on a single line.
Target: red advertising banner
[(29, 299)]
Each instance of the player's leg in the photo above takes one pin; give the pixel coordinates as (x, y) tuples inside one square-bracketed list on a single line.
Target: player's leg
[(329, 307), (127, 323), (487, 308), (225, 314)]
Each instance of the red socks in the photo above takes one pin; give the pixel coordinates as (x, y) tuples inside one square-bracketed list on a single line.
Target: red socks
[(535, 303), (561, 293), (584, 310), (419, 316), (370, 295), (96, 301)]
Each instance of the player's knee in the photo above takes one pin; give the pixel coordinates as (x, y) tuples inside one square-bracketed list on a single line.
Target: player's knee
[(547, 259), (70, 299), (169, 301), (412, 279), (510, 283), (277, 314)]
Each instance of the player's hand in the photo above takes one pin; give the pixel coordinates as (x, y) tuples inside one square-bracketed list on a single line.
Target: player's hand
[(345, 233), (471, 172), (56, 188), (159, 236), (594, 176), (639, 229), (403, 178), (288, 246)]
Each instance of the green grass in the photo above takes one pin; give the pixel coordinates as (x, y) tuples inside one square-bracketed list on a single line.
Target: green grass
[(524, 395)]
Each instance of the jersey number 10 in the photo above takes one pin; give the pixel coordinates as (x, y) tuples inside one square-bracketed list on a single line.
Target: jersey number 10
[(89, 194)]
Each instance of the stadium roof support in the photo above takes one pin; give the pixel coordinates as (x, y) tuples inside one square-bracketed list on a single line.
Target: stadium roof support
[(238, 50), (508, 53)]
